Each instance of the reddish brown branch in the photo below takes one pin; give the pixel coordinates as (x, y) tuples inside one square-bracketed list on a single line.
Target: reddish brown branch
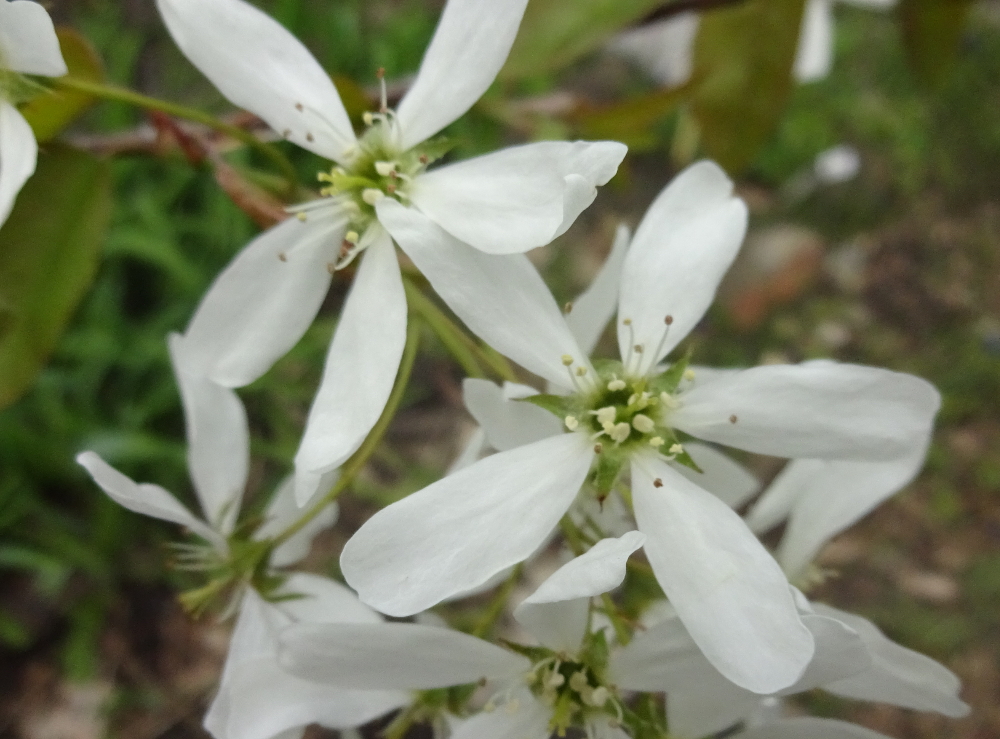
[(683, 6)]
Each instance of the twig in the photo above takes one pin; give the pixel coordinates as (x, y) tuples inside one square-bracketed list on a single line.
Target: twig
[(683, 6)]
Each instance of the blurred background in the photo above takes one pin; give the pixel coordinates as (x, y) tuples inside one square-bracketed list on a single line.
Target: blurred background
[(874, 189)]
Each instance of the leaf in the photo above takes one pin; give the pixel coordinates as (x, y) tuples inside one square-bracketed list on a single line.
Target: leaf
[(931, 32), (742, 76), (631, 121), (51, 112), (555, 33), (49, 250)]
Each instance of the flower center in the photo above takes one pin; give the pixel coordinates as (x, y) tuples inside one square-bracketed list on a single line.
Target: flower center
[(571, 689)]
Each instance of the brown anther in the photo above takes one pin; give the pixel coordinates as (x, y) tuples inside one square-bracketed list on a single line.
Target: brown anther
[(424, 159), (345, 248), (638, 348), (282, 257), (380, 72), (309, 137), (733, 419), (598, 448), (390, 188), (657, 483), (286, 133), (668, 320), (568, 307), (299, 107)]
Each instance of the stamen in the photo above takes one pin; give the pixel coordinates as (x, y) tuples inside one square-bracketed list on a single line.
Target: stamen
[(689, 374), (282, 256), (598, 697), (643, 423), (572, 422), (368, 118), (568, 307), (620, 432), (669, 401), (371, 195), (676, 449), (657, 483), (656, 442), (606, 415), (385, 169), (352, 237), (616, 385), (567, 360), (668, 321), (733, 418), (384, 98), (301, 215)]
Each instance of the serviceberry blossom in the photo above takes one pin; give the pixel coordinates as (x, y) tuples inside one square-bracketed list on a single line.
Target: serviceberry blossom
[(218, 460), (28, 46), (635, 414), (510, 201)]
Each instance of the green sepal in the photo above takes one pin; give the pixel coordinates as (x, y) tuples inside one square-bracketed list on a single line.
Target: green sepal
[(646, 720), (595, 652), (558, 405), (668, 381), (685, 459), (535, 654), (436, 148), (17, 88), (606, 470)]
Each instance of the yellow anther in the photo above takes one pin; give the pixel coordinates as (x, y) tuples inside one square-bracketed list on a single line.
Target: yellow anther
[(620, 432), (689, 374), (352, 236), (642, 423), (578, 681), (627, 322), (567, 360), (555, 680), (571, 422), (372, 195), (656, 442), (669, 400), (606, 415), (301, 216), (368, 118), (599, 696), (676, 449), (581, 371), (615, 385), (385, 168)]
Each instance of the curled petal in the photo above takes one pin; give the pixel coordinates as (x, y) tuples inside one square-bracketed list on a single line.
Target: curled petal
[(258, 65), (470, 45), (260, 305), (517, 198), (453, 535), (360, 368)]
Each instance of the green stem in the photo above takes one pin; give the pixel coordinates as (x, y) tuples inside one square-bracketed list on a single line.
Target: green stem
[(109, 92), (465, 349), (496, 606), (360, 458)]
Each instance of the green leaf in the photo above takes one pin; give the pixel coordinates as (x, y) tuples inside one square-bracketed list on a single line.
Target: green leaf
[(558, 405), (667, 382), (52, 111), (49, 251), (742, 76), (555, 33), (931, 32)]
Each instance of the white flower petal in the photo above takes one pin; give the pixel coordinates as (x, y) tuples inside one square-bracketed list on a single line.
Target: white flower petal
[(840, 652), (721, 475), (18, 153), (517, 198), (320, 600), (260, 305), (453, 535), (523, 717), (839, 494), (605, 727), (28, 42), (471, 452), (683, 247), (480, 287), (814, 410), (898, 675), (360, 368), (507, 421), (556, 613), (218, 439), (260, 66), (814, 56), (807, 727), (145, 498), (729, 592), (394, 655), (470, 45), (594, 308), (793, 482), (663, 48), (284, 511)]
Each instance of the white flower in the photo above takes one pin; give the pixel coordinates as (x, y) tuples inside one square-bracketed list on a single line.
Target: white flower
[(257, 699), (665, 48), (729, 591), (509, 201), (218, 460), (28, 45), (562, 688)]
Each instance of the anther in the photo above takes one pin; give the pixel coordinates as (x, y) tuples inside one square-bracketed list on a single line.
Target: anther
[(599, 697), (581, 371), (368, 118), (301, 216), (669, 400), (639, 348), (372, 195), (668, 320), (676, 449), (598, 448), (424, 159), (689, 374), (643, 423), (282, 256), (351, 237), (385, 169), (616, 384), (299, 107), (627, 321), (657, 483), (331, 267), (568, 307), (571, 422), (567, 360), (286, 133), (513, 706), (620, 432), (733, 419), (578, 681), (390, 188), (606, 415), (309, 137), (656, 442)]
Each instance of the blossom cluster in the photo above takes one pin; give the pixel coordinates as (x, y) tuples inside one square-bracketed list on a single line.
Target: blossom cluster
[(615, 463)]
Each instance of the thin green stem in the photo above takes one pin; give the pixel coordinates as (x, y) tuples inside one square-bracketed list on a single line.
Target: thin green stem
[(360, 458), (496, 606), (110, 92), (466, 350)]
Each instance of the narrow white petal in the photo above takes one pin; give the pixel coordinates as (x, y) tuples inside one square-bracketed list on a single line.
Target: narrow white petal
[(453, 535), (281, 513), (899, 676), (815, 410), (792, 483), (28, 42), (144, 498), (507, 421), (18, 153), (261, 67), (594, 308), (683, 247), (721, 475), (814, 56), (471, 452), (261, 304), (840, 652), (470, 45), (218, 441), (728, 591), (873, 4), (556, 613), (523, 717), (517, 198), (393, 655), (360, 368), (806, 727), (839, 494), (481, 287), (663, 48), (320, 600)]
